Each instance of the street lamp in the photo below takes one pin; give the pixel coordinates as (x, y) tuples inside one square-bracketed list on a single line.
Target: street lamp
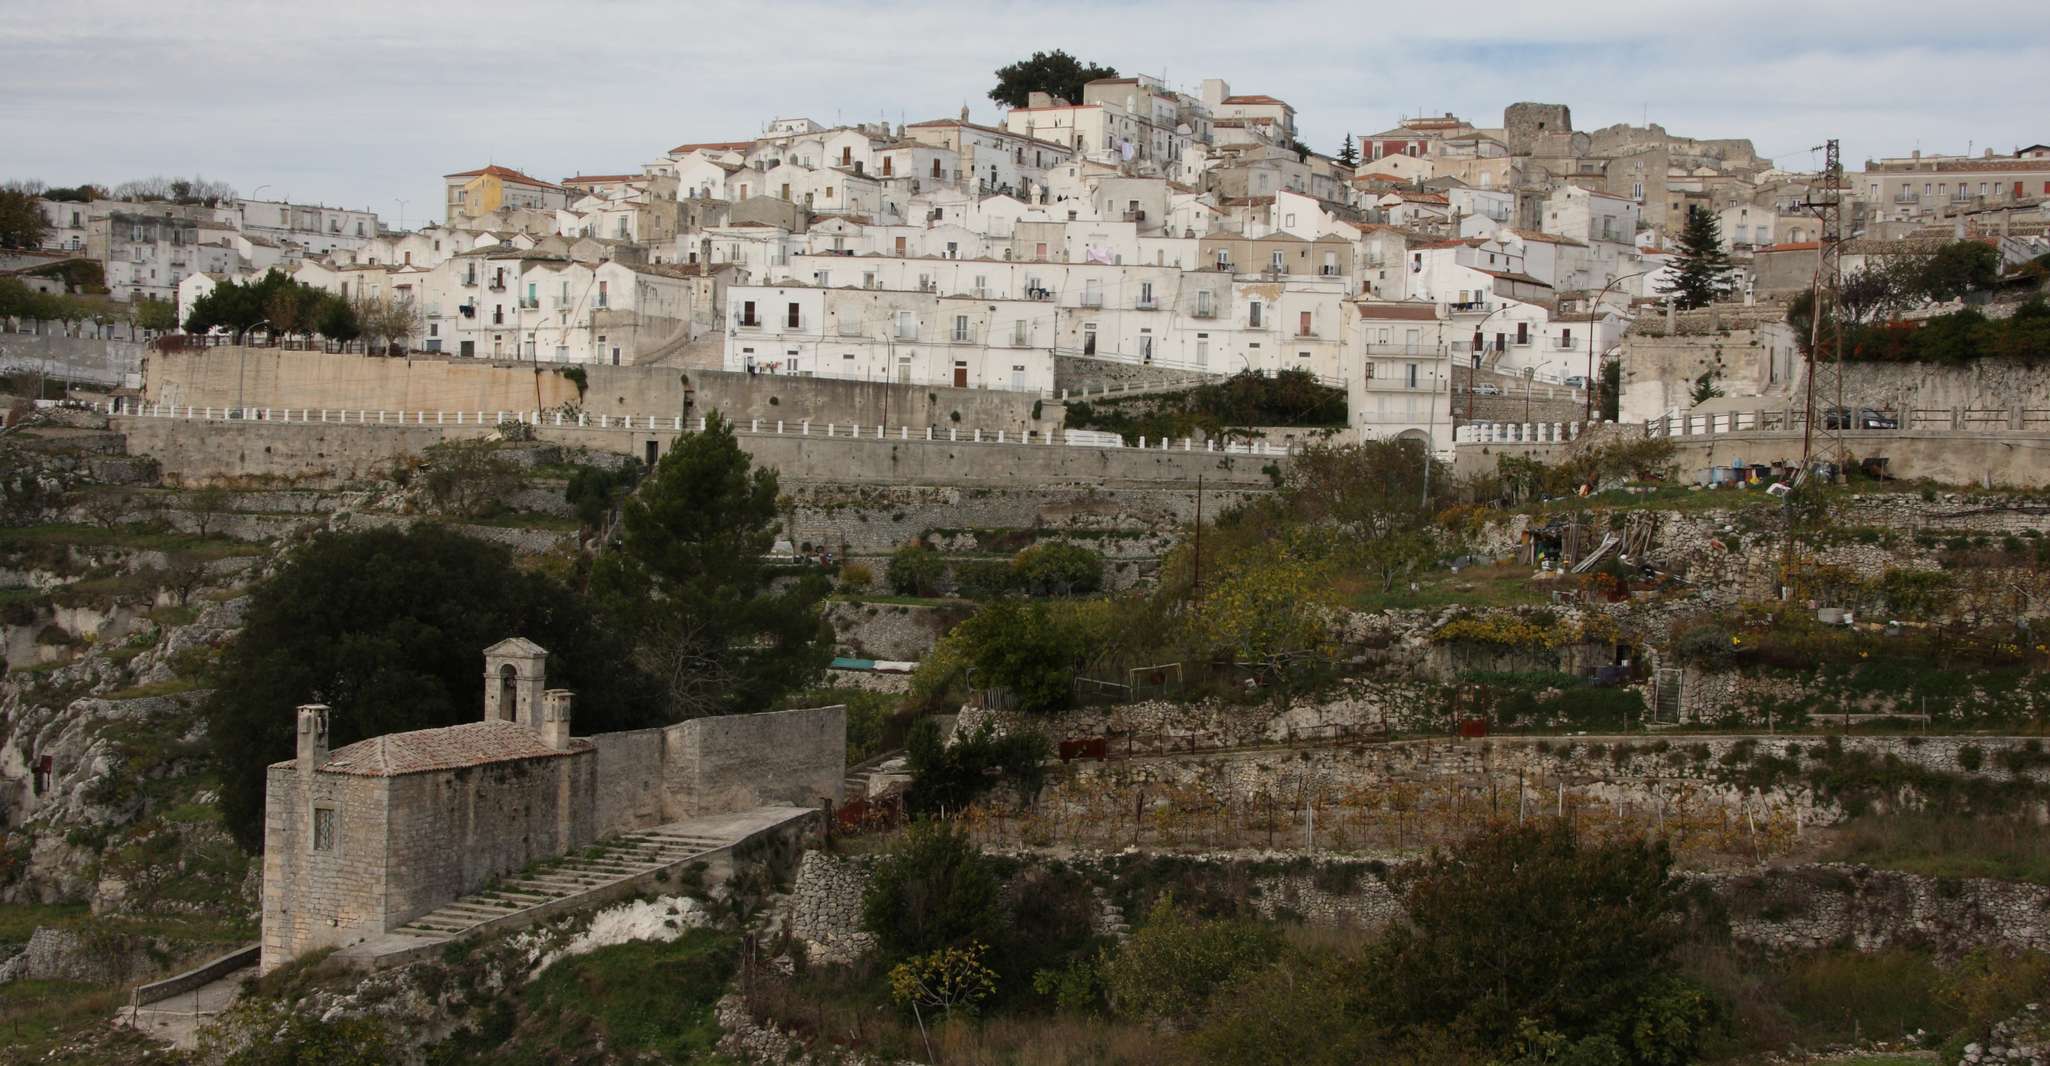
[(1593, 327), (1529, 376)]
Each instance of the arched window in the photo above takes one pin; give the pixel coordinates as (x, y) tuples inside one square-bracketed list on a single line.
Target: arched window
[(508, 693)]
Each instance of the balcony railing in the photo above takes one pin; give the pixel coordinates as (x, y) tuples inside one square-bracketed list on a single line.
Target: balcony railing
[(1092, 299), (529, 303), (1135, 216), (1147, 303), (497, 286), (1204, 312)]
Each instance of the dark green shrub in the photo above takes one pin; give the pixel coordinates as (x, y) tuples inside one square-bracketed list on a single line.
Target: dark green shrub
[(934, 889), (916, 570), (1058, 568)]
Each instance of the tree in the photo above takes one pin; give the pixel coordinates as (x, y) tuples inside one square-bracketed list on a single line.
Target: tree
[(1029, 650), (1057, 568), (336, 320), (386, 322), (1170, 967), (1055, 73), (687, 578), (932, 890), (206, 505), (159, 316), (1958, 268), (947, 777), (1531, 931), (22, 224), (915, 570), (1608, 397), (468, 478), (388, 629), (1701, 266), (1348, 153)]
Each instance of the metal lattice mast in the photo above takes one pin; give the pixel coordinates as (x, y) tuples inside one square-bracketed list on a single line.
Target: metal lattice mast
[(1828, 420)]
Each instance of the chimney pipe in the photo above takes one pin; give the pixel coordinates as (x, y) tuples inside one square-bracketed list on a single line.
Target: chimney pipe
[(312, 753), (555, 718)]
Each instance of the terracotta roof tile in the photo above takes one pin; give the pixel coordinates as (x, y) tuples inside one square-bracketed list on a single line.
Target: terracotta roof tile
[(503, 174), (449, 748)]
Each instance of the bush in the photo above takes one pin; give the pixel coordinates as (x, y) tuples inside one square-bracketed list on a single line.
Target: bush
[(592, 490), (1058, 568), (948, 777), (856, 577), (1170, 967), (468, 479), (982, 579), (932, 890), (1027, 650), (915, 570)]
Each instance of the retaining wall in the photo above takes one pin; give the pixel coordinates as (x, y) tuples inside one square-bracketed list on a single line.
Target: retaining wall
[(279, 378), (332, 453)]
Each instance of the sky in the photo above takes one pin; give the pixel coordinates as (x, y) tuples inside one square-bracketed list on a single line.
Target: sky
[(367, 103)]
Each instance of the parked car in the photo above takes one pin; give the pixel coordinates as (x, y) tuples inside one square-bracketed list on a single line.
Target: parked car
[(1865, 418), (1576, 381), (1485, 389)]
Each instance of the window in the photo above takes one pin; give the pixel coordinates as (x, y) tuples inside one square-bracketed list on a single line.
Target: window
[(747, 314), (1145, 294), (1203, 308), (907, 326), (1018, 333), (1522, 333), (1202, 349), (602, 302), (1274, 262), (793, 316), (323, 829), (1253, 314), (1409, 377), (1565, 338), (1303, 328), (960, 328), (1145, 347)]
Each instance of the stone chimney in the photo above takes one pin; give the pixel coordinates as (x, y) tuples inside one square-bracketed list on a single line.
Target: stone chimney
[(555, 718), (312, 753)]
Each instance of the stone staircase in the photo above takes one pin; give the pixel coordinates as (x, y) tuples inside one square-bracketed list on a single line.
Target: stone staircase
[(607, 862)]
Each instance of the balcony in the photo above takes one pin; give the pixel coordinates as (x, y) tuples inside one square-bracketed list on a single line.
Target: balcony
[(745, 321), (1135, 216), (1468, 305), (496, 286), (960, 336), (529, 303), (469, 281), (1092, 299), (1204, 312), (1907, 198), (1147, 303), (907, 332)]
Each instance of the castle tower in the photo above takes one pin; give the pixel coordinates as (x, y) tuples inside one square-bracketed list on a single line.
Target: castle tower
[(515, 675)]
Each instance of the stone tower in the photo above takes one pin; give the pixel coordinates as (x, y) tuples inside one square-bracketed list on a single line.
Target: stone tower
[(1528, 126), (515, 676)]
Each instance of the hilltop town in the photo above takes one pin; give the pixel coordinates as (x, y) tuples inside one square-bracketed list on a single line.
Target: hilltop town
[(1112, 583)]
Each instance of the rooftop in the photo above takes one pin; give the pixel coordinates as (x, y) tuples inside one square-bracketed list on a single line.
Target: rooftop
[(503, 174), (449, 748)]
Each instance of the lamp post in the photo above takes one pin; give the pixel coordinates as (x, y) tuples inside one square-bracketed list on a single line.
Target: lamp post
[(1529, 376), (1593, 327), (402, 213)]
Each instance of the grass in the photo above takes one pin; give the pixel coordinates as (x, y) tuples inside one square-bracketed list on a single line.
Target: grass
[(1940, 845), (38, 1016), (19, 920), (900, 601), (137, 537), (1492, 585), (171, 687), (643, 999)]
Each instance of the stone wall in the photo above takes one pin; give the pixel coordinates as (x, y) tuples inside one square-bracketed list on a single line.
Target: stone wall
[(1805, 908), (896, 632), (732, 762), (632, 769), (275, 378), (83, 359), (315, 899), (876, 519), (825, 906), (317, 454), (1079, 374), (1659, 372)]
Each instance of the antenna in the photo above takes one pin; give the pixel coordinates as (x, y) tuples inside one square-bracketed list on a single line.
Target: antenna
[(1825, 331)]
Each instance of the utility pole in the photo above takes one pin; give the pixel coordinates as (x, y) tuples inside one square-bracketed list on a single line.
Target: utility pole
[(1199, 538)]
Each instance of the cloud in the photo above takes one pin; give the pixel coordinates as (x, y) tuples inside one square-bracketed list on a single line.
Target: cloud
[(366, 103)]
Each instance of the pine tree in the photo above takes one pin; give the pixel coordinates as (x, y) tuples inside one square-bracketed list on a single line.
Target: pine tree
[(1702, 267), (1350, 153)]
